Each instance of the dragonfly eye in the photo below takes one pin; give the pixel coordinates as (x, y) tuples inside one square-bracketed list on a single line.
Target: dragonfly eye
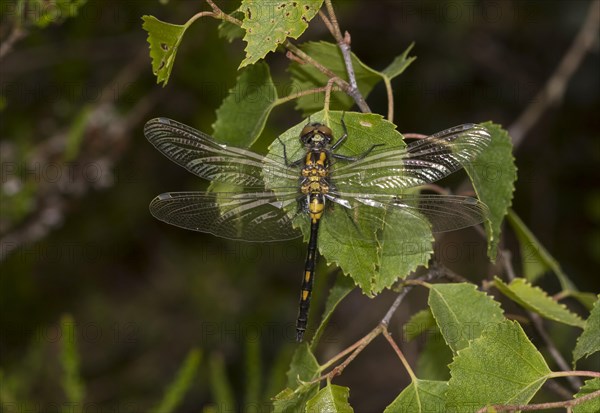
[(308, 129), (325, 131)]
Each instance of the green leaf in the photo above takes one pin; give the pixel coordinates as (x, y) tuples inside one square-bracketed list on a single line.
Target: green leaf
[(243, 113), (342, 287), (588, 342), (434, 358), (164, 39), (420, 322), (181, 384), (462, 312), (43, 13), (294, 401), (229, 30), (593, 405), (219, 384), (421, 396), (306, 77), (493, 175), (253, 375), (500, 367), (536, 259), (535, 299), (304, 366), (374, 252), (268, 24), (330, 399), (71, 381), (399, 64)]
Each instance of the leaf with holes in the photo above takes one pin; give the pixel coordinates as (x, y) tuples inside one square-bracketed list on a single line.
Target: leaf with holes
[(269, 23), (164, 39)]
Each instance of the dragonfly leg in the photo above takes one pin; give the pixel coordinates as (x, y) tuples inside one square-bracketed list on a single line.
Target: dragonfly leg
[(285, 158), (359, 157), (343, 137)]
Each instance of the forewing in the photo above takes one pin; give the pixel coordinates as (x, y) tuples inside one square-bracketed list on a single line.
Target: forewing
[(421, 162), (203, 156), (251, 216)]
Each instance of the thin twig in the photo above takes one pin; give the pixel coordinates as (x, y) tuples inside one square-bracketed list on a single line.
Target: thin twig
[(336, 32), (356, 349), (327, 22), (219, 14), (542, 406), (388, 316), (343, 43), (555, 87), (15, 35)]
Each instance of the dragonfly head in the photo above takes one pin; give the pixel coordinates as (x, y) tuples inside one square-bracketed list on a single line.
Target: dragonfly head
[(316, 135)]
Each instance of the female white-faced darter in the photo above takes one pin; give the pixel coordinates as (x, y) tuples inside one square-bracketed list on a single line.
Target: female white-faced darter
[(363, 186)]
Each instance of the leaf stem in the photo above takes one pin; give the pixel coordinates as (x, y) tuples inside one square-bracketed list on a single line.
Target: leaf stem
[(543, 406), (296, 95), (328, 95), (216, 13), (584, 373), (356, 349), (390, 98), (390, 340)]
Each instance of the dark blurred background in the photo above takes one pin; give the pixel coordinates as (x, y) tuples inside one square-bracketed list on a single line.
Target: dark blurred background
[(78, 174)]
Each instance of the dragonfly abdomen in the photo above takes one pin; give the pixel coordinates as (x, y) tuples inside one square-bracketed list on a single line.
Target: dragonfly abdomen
[(307, 281)]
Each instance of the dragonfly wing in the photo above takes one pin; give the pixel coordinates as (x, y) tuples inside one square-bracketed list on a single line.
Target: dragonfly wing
[(251, 216), (421, 162), (443, 212), (200, 154)]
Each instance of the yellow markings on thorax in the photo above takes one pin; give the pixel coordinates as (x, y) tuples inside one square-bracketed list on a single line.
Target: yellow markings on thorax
[(305, 295)]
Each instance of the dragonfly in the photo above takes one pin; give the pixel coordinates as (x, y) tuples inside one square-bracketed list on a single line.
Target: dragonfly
[(363, 186)]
